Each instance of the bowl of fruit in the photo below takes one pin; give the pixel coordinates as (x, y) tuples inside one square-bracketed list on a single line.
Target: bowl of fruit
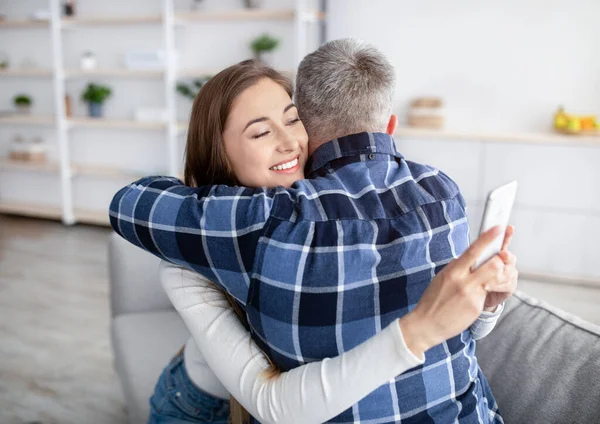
[(576, 124)]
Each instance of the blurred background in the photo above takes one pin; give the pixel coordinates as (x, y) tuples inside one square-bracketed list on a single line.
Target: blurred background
[(96, 93)]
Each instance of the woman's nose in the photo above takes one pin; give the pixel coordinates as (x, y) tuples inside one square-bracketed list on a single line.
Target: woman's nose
[(288, 143)]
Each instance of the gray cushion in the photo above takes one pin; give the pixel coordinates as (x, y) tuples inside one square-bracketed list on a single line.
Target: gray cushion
[(134, 283), (543, 364), (144, 343)]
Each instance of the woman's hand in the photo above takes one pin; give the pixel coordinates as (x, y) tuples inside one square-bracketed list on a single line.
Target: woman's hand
[(507, 285), (454, 299)]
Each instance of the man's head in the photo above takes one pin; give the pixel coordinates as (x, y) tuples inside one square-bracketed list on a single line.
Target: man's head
[(345, 87)]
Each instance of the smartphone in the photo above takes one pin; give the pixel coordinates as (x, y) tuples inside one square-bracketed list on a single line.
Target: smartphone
[(497, 211)]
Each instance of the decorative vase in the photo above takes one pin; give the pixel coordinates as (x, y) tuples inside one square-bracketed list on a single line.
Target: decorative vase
[(95, 110), (69, 8), (88, 61), (252, 4), (266, 58), (196, 5), (24, 109)]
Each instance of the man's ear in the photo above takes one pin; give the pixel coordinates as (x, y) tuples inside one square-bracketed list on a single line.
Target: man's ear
[(392, 125)]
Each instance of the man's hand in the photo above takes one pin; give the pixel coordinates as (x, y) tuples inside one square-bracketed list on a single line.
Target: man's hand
[(507, 285), (454, 299)]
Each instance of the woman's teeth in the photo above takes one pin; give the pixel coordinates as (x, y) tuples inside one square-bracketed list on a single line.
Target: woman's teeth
[(286, 165)]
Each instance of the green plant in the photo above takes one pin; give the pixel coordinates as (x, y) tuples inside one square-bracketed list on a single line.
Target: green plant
[(264, 43), (191, 91), (22, 100), (95, 93)]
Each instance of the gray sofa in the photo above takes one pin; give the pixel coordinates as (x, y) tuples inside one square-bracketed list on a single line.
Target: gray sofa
[(542, 363)]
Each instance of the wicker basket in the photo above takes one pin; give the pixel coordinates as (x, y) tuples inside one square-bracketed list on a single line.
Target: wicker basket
[(426, 112)]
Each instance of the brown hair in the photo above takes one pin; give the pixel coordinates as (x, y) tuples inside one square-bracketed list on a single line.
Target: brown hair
[(205, 160)]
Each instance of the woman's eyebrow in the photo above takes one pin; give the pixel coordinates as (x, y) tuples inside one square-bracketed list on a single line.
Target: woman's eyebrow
[(254, 121), (264, 118)]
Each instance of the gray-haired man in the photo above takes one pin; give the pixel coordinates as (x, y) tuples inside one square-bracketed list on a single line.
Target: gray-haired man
[(385, 232)]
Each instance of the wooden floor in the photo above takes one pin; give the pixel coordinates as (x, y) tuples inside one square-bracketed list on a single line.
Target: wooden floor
[(55, 356)]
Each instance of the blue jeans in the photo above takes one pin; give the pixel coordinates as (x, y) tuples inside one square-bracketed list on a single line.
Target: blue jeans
[(176, 400)]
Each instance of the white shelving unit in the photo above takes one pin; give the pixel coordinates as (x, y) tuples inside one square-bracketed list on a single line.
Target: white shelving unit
[(112, 73), (300, 15)]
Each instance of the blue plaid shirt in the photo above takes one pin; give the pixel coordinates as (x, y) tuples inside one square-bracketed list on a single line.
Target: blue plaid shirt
[(325, 265)]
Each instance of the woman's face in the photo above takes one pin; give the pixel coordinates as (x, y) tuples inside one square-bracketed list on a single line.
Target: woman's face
[(265, 142)]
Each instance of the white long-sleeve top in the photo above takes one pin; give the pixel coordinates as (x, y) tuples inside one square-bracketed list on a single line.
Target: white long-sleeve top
[(222, 359)]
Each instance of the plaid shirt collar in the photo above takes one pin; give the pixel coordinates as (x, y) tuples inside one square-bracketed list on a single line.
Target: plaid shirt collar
[(364, 143)]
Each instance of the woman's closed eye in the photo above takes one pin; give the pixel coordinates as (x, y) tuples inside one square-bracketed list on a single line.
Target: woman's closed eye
[(261, 135), (294, 121)]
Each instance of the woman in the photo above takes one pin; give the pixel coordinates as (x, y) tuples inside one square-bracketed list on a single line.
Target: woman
[(244, 130)]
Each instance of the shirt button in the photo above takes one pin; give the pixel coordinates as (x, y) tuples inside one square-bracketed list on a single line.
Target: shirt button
[(371, 156), (178, 394)]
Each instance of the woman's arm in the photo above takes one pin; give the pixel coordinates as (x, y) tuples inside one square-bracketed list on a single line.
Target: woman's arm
[(486, 323), (312, 393)]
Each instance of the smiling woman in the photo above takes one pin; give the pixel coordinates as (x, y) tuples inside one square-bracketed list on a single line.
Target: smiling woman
[(229, 143), (271, 149), (244, 130)]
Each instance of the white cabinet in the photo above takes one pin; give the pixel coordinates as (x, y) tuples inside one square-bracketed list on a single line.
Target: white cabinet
[(557, 210)]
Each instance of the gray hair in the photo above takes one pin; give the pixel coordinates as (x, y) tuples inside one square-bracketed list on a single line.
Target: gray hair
[(344, 87)]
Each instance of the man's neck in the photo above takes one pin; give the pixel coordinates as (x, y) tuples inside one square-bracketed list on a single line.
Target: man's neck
[(315, 142)]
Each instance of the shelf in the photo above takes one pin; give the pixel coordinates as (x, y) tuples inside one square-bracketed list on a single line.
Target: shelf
[(208, 72), (12, 72), (105, 172), (110, 20), (235, 15), (523, 138), (15, 165), (86, 216), (197, 72), (244, 15), (112, 123), (26, 209), (17, 119), (24, 23), (116, 72)]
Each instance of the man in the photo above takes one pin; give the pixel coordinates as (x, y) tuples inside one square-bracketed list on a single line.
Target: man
[(363, 241)]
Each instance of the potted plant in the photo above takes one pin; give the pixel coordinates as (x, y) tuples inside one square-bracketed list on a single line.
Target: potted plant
[(191, 91), (23, 103), (262, 46), (95, 95)]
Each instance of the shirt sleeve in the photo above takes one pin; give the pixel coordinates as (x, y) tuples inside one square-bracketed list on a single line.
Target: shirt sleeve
[(311, 393), (213, 230), (486, 323)]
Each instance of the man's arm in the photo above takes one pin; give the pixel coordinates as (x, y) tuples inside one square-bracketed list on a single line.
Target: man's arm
[(212, 230)]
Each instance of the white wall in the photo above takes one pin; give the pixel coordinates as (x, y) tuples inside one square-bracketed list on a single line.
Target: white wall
[(499, 65)]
